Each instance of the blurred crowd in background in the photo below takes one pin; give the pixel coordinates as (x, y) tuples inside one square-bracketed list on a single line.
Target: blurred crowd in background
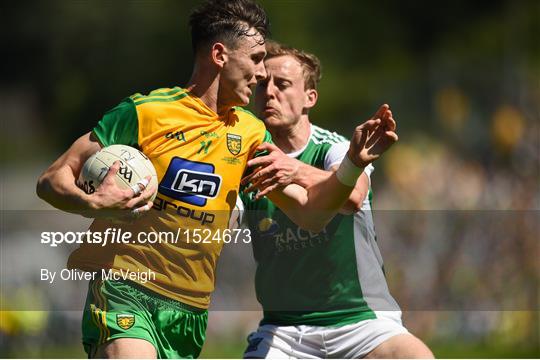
[(457, 198)]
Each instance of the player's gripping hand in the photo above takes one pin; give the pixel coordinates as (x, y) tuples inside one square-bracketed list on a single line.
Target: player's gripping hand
[(372, 138), (117, 204), (273, 171)]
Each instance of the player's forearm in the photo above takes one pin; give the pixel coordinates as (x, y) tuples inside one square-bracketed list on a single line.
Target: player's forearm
[(352, 204), (292, 201), (57, 185), (308, 175), (58, 188), (324, 200), (314, 207), (356, 199), (328, 196)]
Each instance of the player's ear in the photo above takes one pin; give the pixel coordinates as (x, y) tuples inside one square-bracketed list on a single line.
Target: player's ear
[(311, 98), (219, 54)]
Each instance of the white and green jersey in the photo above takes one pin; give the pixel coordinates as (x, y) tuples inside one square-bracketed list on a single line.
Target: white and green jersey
[(327, 279)]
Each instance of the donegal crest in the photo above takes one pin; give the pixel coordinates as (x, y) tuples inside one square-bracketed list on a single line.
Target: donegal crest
[(234, 143), (125, 321)]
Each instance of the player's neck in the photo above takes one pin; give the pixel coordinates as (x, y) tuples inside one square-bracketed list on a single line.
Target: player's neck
[(292, 138), (204, 84)]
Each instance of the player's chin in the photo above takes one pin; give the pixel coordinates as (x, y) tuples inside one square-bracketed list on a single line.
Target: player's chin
[(243, 100), (272, 119)]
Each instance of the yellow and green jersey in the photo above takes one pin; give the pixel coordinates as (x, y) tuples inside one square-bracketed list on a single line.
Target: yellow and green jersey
[(199, 157)]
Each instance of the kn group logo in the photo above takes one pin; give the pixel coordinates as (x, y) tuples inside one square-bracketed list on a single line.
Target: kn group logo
[(191, 182)]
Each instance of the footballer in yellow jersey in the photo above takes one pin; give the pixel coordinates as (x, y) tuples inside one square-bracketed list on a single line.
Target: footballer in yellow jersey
[(199, 143), (199, 157)]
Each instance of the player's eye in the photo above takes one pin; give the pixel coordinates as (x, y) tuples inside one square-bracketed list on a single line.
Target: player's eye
[(282, 85), (257, 58)]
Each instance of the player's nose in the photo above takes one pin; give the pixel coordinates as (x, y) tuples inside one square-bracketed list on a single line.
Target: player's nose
[(270, 89), (260, 72)]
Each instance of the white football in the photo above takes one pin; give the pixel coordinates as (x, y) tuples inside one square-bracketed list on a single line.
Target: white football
[(134, 166)]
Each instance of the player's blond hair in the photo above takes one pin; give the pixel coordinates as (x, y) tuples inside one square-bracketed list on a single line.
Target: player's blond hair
[(311, 65)]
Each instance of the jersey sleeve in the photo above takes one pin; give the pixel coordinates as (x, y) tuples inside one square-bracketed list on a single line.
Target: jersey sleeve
[(267, 138), (335, 155), (119, 125)]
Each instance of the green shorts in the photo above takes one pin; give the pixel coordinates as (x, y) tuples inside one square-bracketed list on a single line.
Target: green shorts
[(122, 309)]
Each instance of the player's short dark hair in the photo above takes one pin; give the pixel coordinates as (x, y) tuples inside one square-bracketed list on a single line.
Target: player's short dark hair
[(311, 65), (226, 21)]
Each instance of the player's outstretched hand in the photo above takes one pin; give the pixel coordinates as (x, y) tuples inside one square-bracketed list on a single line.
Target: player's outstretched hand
[(121, 205), (372, 138), (273, 171)]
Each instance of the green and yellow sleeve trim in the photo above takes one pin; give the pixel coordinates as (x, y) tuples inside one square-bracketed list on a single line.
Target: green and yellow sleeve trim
[(160, 95)]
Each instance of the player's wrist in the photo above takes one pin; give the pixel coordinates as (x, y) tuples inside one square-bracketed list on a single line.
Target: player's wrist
[(92, 202), (348, 172), (356, 159)]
